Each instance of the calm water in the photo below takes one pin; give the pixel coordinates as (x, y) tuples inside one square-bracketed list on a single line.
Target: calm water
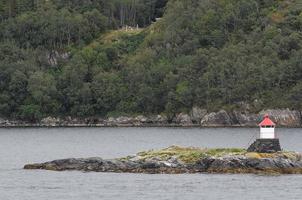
[(21, 146)]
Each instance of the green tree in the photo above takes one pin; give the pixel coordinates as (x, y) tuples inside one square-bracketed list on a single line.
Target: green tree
[(43, 92), (30, 113)]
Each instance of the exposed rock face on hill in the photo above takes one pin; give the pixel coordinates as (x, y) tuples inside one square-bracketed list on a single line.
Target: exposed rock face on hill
[(197, 114), (285, 117), (245, 118), (221, 118), (183, 119), (175, 160)]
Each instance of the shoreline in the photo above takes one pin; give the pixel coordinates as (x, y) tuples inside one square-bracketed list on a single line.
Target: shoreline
[(131, 126), (196, 118)]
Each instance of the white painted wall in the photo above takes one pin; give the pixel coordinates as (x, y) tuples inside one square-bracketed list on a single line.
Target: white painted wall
[(267, 133)]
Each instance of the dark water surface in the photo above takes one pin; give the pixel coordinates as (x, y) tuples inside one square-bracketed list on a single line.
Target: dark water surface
[(21, 146)]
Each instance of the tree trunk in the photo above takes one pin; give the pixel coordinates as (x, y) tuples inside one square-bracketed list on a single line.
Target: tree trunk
[(11, 8)]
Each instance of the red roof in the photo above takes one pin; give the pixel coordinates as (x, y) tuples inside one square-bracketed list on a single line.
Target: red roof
[(267, 121)]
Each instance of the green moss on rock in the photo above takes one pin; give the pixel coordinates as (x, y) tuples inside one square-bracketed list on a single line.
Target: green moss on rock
[(189, 154)]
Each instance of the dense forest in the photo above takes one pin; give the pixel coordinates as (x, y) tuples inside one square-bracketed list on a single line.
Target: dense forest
[(122, 57)]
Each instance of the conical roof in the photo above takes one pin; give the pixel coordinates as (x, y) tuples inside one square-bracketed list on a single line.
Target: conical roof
[(267, 121)]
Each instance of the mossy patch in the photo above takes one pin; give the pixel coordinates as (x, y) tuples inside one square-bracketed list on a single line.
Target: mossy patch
[(260, 155), (286, 155), (253, 155), (188, 154)]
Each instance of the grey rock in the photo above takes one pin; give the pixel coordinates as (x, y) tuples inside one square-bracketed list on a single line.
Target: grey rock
[(3, 121), (220, 118), (264, 163), (93, 120), (125, 120), (245, 118), (162, 119), (286, 163), (50, 121), (111, 121), (158, 119), (141, 119), (197, 114), (150, 165), (175, 160), (226, 164), (54, 56), (183, 119)]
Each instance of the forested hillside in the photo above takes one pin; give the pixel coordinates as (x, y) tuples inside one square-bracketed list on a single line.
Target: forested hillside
[(121, 57)]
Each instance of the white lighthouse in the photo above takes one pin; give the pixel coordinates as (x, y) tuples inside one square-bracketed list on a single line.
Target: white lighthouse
[(268, 142), (267, 128)]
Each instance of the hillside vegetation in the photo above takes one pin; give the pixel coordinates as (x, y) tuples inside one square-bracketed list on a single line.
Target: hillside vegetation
[(77, 58)]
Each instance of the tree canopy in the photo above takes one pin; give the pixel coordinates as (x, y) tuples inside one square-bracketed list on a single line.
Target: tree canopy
[(76, 58)]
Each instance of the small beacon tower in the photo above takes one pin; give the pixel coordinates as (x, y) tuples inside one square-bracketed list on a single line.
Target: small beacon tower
[(268, 141), (267, 128)]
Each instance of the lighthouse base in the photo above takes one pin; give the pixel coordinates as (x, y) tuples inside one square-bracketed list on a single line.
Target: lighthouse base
[(265, 146)]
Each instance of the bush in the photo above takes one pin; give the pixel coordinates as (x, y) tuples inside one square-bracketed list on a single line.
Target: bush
[(30, 113)]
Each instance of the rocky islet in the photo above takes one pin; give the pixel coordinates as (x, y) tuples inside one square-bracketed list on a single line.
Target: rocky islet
[(175, 160)]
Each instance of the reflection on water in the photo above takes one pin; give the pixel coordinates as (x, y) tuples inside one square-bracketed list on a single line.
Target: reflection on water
[(21, 146)]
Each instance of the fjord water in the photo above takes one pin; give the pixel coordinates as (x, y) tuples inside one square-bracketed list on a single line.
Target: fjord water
[(21, 146)]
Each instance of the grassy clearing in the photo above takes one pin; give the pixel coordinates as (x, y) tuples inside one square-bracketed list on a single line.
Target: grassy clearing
[(114, 36)]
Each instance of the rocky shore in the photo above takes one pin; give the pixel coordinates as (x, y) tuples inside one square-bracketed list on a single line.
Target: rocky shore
[(175, 160), (197, 117)]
